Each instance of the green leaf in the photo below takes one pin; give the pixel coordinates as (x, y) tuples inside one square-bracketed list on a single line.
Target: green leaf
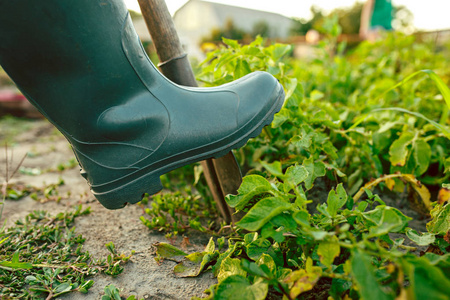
[(167, 251), (232, 43), (229, 267), (255, 269), (262, 212), (251, 186), (238, 287), (296, 175), (273, 168), (279, 50), (336, 200), (290, 87), (257, 248), (422, 156), (328, 251), (63, 288), (315, 170), (242, 68), (386, 219), (422, 240), (399, 149), (427, 281), (282, 116), (364, 276), (15, 264), (443, 88), (86, 286)]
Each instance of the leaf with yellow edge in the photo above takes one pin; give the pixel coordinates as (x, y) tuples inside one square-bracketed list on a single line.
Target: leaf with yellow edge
[(328, 251), (303, 280)]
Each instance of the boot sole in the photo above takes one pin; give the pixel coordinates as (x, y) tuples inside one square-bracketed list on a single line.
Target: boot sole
[(133, 191)]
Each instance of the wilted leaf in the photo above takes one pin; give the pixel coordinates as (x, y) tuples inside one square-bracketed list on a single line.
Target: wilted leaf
[(193, 264), (420, 189), (303, 280), (210, 247), (167, 251)]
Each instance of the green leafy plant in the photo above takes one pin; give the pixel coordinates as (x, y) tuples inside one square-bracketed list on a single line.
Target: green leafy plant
[(42, 255), (113, 293), (359, 132), (177, 212)]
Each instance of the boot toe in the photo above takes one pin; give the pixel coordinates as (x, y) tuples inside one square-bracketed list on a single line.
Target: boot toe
[(259, 94)]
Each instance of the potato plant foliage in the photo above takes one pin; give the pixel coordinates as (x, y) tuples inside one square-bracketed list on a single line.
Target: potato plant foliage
[(374, 117)]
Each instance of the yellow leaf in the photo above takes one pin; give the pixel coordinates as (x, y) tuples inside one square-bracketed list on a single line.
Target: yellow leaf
[(443, 196), (390, 183)]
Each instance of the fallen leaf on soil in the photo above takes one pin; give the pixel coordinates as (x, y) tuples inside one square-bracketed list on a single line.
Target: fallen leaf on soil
[(167, 251)]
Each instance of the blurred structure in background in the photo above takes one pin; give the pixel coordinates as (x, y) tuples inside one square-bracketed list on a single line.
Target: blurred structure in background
[(201, 21), (202, 24)]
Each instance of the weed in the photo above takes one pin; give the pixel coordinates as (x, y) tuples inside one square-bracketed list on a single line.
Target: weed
[(177, 212), (42, 255), (113, 293)]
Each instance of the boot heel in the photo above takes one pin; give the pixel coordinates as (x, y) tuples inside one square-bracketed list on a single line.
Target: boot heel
[(129, 193)]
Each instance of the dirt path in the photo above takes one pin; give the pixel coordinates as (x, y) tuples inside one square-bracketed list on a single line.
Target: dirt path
[(142, 276)]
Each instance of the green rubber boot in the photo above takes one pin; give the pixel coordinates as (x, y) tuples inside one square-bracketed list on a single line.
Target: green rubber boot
[(82, 65)]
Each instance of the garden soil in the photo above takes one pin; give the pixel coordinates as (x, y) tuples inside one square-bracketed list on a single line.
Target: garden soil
[(142, 275)]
